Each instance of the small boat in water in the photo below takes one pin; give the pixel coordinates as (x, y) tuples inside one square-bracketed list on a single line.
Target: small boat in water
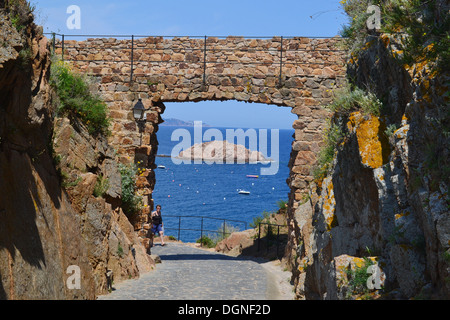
[(244, 192), (252, 176), (161, 166)]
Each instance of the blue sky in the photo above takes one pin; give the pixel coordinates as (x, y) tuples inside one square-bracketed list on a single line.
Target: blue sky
[(198, 18)]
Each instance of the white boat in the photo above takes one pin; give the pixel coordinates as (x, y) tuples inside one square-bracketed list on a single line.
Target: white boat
[(161, 166), (244, 192)]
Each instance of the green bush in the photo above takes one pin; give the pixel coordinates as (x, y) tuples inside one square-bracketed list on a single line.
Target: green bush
[(222, 232), (333, 135), (206, 241), (358, 279), (282, 204), (346, 100), (131, 202), (101, 186), (76, 99), (390, 130), (120, 251), (264, 217)]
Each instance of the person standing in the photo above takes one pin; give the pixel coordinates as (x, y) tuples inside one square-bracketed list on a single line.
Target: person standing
[(157, 223)]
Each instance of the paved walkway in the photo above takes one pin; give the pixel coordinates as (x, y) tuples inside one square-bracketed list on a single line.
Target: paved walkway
[(188, 273)]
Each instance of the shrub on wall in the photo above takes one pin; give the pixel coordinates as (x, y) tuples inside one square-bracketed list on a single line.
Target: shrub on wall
[(346, 100), (333, 134), (76, 99), (131, 202)]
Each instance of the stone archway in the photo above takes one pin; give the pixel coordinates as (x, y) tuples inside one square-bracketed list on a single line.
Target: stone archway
[(298, 73)]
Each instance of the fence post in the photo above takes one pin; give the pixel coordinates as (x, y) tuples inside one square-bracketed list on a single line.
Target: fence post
[(201, 234), (204, 64), (179, 228), (224, 222), (53, 41), (62, 53), (281, 60), (278, 241), (259, 236), (132, 54)]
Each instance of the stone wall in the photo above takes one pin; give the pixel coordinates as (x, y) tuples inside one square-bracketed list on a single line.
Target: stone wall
[(174, 70)]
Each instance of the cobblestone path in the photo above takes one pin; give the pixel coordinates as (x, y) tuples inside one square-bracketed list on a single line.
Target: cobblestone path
[(188, 273)]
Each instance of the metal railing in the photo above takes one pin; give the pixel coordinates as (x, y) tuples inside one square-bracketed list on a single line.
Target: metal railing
[(202, 228), (269, 236), (281, 49)]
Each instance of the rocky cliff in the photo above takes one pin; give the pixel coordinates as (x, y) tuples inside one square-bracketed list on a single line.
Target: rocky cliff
[(92, 181), (384, 200), (52, 228)]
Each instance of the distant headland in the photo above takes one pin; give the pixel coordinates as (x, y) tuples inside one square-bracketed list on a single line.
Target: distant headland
[(172, 122)]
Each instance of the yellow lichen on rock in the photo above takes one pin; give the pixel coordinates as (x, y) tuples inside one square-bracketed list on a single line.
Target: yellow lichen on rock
[(329, 206), (303, 264), (401, 132), (401, 214), (386, 40), (369, 130), (404, 119)]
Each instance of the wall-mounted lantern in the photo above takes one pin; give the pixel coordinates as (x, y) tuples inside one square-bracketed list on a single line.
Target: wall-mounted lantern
[(139, 116), (139, 111)]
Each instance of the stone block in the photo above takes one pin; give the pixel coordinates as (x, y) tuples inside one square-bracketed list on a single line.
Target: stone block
[(302, 111), (152, 117), (118, 115), (301, 146), (144, 150), (178, 57), (299, 124)]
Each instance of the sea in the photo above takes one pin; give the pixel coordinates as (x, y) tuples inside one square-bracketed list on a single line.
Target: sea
[(199, 199)]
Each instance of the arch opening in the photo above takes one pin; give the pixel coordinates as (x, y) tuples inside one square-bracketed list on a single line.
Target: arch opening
[(211, 188)]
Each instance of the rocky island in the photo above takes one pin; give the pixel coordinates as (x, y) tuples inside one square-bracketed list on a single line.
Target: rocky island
[(222, 151)]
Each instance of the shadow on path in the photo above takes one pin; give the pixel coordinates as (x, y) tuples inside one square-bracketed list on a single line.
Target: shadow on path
[(187, 256)]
